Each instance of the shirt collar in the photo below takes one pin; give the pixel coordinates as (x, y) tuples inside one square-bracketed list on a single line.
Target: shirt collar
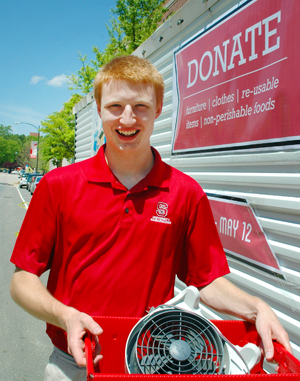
[(97, 170)]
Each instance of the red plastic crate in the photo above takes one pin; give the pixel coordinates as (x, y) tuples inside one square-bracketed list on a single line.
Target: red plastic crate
[(117, 329)]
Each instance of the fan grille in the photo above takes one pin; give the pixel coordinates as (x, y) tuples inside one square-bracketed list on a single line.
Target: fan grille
[(173, 341)]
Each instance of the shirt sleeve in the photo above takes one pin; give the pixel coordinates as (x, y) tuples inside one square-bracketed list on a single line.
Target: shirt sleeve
[(202, 259), (35, 242)]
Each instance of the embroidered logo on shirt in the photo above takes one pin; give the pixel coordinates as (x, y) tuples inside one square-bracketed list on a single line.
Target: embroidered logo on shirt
[(161, 213)]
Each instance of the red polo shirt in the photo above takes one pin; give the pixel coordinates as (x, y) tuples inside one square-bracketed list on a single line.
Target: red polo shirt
[(114, 251)]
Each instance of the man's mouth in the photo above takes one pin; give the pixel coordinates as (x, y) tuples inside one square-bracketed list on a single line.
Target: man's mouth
[(127, 132)]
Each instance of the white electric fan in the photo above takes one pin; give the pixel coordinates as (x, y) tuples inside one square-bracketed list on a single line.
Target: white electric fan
[(175, 338)]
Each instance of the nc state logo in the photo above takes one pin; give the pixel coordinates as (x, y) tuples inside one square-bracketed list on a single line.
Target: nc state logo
[(161, 214), (162, 209)]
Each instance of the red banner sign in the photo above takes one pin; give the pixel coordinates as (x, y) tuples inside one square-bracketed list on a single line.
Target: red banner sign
[(33, 150), (241, 234), (237, 83)]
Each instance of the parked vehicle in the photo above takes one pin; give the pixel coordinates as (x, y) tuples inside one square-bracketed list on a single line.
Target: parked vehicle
[(23, 182), (34, 184), (24, 179), (29, 179)]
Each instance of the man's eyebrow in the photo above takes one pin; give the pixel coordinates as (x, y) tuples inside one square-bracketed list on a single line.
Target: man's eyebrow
[(111, 101), (134, 101), (141, 100)]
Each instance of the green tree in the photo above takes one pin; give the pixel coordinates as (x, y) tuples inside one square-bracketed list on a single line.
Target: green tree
[(9, 149), (59, 133), (138, 19), (5, 131), (135, 21), (10, 145), (83, 79)]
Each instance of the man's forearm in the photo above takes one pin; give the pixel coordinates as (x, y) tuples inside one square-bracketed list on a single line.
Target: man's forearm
[(225, 297), (29, 292)]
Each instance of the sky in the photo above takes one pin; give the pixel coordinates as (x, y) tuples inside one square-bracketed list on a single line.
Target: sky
[(39, 45)]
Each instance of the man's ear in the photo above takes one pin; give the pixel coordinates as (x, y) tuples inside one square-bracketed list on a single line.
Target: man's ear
[(159, 110), (98, 109)]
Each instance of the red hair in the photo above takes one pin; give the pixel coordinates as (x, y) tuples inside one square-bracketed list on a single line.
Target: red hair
[(132, 69)]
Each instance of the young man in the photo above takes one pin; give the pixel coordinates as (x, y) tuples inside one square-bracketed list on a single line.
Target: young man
[(114, 230)]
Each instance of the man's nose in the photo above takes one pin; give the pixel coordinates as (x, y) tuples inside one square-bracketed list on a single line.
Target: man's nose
[(127, 117)]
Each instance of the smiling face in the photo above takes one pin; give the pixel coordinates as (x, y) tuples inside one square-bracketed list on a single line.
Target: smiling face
[(128, 112)]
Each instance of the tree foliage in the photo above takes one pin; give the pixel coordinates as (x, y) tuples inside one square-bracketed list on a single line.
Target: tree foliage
[(15, 150), (59, 133), (8, 150), (84, 77), (135, 21), (10, 145), (138, 19), (5, 131)]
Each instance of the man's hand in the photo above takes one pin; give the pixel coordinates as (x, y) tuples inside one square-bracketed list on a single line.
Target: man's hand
[(269, 328), (225, 297), (78, 324)]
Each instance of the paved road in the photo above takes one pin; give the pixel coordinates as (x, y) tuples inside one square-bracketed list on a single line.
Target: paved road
[(24, 346)]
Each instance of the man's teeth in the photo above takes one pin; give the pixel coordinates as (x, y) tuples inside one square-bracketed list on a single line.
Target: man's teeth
[(127, 133)]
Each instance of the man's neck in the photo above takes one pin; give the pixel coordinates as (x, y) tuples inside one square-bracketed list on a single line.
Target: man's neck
[(130, 169)]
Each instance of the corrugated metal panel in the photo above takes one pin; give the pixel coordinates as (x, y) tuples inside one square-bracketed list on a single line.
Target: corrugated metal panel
[(83, 130), (269, 181)]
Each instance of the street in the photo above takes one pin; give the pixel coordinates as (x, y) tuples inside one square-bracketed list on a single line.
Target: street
[(25, 347)]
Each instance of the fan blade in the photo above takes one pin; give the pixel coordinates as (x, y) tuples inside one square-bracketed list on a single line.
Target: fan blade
[(196, 342), (152, 364)]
